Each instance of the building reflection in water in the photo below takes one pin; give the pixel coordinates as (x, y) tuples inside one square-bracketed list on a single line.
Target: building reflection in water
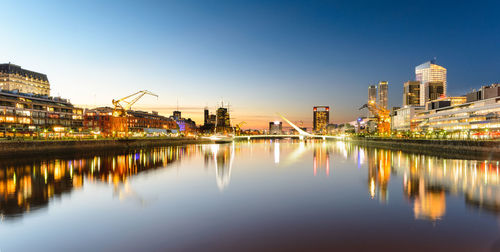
[(276, 152), (221, 156), (379, 173), (26, 185), (321, 159), (29, 185), (427, 180)]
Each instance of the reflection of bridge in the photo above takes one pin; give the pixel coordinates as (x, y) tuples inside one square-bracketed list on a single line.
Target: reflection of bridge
[(302, 134), (282, 136)]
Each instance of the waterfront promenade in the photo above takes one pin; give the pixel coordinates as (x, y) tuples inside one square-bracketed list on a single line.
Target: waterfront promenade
[(486, 149), (21, 147)]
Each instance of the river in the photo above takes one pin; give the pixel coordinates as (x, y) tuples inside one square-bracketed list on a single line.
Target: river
[(263, 195)]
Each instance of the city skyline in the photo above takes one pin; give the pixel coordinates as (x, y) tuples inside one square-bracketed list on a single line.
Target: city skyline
[(243, 52), (228, 125)]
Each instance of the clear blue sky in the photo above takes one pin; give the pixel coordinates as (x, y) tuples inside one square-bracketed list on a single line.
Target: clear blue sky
[(261, 56)]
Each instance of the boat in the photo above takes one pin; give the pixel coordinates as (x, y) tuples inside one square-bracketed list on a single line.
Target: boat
[(221, 138)]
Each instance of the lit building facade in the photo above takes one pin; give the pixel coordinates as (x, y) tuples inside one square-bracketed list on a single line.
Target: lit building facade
[(212, 119), (372, 93), (321, 118), (13, 77), (401, 119), (100, 120), (445, 102), (142, 121), (223, 122), (332, 129), (432, 91), (209, 120), (485, 92), (411, 93), (429, 72), (29, 114), (383, 92), (177, 115), (186, 125), (372, 97), (477, 119), (275, 128)]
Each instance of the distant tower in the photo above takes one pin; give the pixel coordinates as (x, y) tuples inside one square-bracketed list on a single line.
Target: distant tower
[(383, 89), (275, 128), (223, 122), (177, 115), (430, 72), (206, 117)]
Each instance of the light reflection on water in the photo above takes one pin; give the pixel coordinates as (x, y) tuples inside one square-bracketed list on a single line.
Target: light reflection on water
[(247, 183)]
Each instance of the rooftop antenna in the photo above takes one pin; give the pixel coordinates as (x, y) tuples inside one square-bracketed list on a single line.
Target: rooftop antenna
[(177, 103)]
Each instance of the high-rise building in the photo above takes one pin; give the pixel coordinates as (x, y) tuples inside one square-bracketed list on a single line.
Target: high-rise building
[(13, 77), (383, 87), (208, 126), (223, 122), (213, 119), (372, 93), (411, 93), (372, 97), (426, 73), (275, 128), (206, 116), (321, 118), (433, 90)]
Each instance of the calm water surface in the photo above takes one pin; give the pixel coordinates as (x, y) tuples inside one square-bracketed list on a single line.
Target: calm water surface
[(258, 196)]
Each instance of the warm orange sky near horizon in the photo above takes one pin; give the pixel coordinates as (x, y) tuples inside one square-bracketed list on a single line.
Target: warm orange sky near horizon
[(253, 120)]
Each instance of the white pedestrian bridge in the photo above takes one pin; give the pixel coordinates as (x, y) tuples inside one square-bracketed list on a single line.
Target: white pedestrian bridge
[(302, 134)]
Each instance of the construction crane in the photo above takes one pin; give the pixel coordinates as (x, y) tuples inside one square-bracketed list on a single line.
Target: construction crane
[(119, 124), (122, 105), (382, 115), (299, 123), (238, 127)]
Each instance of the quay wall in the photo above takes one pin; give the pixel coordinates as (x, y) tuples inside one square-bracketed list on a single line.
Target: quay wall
[(477, 149), (36, 147)]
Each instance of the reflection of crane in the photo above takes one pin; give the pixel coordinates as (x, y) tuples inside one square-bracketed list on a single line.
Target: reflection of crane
[(122, 105), (382, 115)]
